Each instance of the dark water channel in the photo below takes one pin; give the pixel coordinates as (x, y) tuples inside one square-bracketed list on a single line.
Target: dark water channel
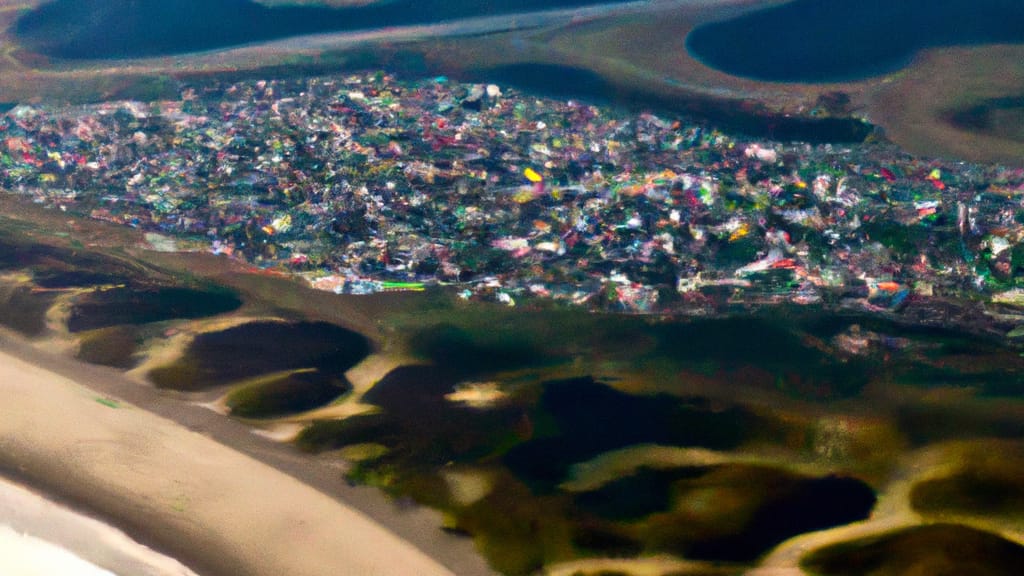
[(260, 348), (559, 81)]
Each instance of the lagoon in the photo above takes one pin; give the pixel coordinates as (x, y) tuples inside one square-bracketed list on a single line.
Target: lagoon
[(108, 29), (841, 40)]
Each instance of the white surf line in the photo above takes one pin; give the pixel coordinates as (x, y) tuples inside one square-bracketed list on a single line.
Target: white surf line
[(38, 536), (24, 555)]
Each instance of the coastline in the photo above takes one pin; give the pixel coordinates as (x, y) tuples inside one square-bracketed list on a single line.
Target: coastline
[(26, 555), (178, 488), (39, 536)]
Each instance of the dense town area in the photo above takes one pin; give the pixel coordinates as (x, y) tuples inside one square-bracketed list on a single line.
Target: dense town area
[(364, 183)]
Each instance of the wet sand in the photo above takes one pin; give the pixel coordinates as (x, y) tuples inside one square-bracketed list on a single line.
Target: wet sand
[(915, 107), (177, 488)]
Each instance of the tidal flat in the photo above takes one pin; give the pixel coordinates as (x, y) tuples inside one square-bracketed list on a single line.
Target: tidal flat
[(562, 441)]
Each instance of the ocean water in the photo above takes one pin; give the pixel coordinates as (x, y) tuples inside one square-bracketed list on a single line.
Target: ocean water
[(41, 538), (102, 29), (24, 555), (837, 40)]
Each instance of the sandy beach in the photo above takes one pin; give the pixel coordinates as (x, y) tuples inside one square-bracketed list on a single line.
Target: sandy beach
[(217, 510)]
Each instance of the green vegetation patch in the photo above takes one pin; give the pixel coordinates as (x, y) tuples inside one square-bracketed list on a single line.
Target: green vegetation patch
[(323, 435), (24, 310), (987, 483), (285, 393), (517, 531), (114, 346), (783, 357), (937, 549), (462, 350), (484, 339), (56, 267), (925, 423)]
